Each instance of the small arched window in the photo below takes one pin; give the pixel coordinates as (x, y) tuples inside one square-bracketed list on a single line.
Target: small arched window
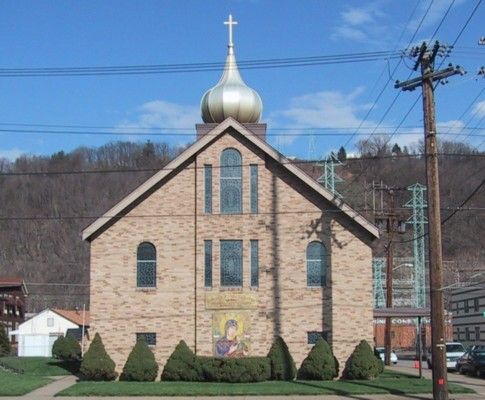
[(316, 264), (231, 182), (146, 265)]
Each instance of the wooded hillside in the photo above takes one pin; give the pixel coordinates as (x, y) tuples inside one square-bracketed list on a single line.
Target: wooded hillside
[(42, 215)]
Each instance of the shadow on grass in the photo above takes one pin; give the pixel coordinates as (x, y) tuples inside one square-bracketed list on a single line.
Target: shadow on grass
[(335, 391), (71, 366)]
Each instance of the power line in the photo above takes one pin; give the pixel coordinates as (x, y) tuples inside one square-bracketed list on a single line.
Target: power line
[(198, 67)]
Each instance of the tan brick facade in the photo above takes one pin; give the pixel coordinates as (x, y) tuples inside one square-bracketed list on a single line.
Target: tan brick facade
[(171, 216)]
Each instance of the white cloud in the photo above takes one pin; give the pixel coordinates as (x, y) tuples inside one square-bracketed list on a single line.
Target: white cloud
[(479, 109), (362, 24), (357, 16), (348, 32), (326, 109), (164, 114), (11, 154), (435, 13)]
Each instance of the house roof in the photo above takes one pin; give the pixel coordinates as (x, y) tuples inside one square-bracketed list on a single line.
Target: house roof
[(13, 282), (210, 137), (75, 316)]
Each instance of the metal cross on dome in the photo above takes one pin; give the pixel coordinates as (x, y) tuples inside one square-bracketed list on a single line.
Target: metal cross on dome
[(230, 22)]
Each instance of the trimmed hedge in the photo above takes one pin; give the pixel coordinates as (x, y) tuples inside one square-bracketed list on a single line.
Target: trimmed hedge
[(235, 370), (5, 347), (320, 363), (182, 365), (362, 363), (379, 360), (141, 365), (66, 348), (283, 366), (97, 365)]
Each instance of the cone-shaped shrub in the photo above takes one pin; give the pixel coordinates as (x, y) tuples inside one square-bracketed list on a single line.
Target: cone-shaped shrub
[(141, 365), (379, 361), (283, 367), (59, 346), (66, 348), (5, 347), (97, 365), (362, 363), (319, 364), (182, 365)]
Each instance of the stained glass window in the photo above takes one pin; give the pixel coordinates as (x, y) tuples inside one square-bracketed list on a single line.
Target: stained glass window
[(254, 188), (146, 265), (313, 336), (316, 264), (231, 182), (150, 338), (231, 263), (208, 263), (208, 189), (254, 263)]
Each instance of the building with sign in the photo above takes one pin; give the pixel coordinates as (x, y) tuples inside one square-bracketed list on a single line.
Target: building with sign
[(230, 245)]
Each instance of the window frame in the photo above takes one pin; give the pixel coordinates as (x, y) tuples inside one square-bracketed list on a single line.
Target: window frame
[(254, 188), (254, 254), (236, 181), (324, 266), (138, 335), (207, 188), (221, 258), (141, 262), (208, 263)]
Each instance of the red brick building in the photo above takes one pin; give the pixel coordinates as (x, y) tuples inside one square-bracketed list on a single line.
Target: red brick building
[(13, 294)]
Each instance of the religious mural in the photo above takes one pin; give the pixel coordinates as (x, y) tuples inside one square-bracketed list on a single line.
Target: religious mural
[(231, 333)]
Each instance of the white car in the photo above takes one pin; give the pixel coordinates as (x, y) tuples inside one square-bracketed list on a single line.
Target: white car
[(382, 354), (454, 350)]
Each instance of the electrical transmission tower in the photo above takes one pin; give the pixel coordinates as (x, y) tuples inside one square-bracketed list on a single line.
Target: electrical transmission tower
[(378, 265), (312, 147), (330, 177), (417, 220)]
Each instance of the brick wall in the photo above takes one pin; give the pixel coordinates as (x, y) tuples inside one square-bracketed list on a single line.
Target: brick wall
[(290, 216)]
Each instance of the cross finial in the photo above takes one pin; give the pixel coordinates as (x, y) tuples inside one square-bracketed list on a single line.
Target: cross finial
[(230, 22)]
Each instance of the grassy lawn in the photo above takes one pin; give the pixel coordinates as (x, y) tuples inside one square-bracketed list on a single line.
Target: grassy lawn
[(12, 384), (36, 366), (389, 382)]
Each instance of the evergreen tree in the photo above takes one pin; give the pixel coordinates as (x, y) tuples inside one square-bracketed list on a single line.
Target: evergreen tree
[(283, 366), (5, 347), (396, 150), (182, 365), (320, 363), (342, 154), (141, 365), (97, 365), (362, 363)]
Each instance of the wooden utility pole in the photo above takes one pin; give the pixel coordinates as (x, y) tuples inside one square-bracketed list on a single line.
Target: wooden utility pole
[(426, 58)]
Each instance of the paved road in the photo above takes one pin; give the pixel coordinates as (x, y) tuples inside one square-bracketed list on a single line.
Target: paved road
[(477, 384)]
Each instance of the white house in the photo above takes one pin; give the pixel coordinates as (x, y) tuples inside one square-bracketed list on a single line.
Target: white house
[(37, 335)]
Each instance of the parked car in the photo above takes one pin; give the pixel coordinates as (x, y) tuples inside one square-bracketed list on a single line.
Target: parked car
[(382, 354), (472, 362), (454, 351)]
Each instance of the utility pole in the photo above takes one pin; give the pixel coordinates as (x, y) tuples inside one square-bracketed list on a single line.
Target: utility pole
[(426, 58), (393, 224)]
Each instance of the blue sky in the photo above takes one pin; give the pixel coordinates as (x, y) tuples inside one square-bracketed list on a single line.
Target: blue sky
[(122, 32)]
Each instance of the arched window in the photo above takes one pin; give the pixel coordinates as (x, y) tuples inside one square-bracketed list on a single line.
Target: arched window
[(231, 182), (316, 264), (146, 265)]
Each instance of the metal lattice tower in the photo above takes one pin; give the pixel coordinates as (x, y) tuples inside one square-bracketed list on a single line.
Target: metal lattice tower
[(378, 265), (330, 177), (417, 220), (312, 147)]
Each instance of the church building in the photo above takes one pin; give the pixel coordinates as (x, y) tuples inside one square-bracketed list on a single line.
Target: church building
[(230, 245)]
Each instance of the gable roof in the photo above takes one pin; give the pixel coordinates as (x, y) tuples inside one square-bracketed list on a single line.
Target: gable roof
[(7, 282), (210, 137), (73, 316)]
